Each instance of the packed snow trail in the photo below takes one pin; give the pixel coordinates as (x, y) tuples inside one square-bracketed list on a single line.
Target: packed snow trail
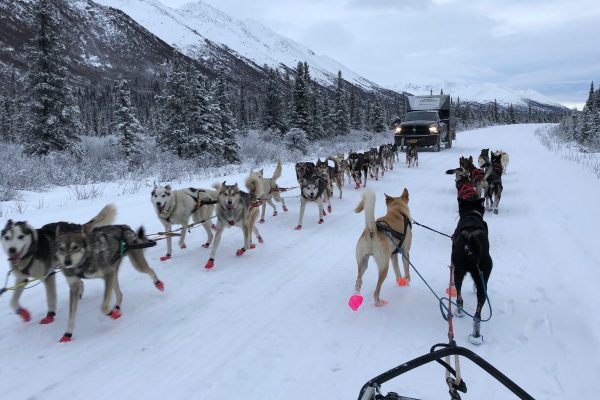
[(275, 323)]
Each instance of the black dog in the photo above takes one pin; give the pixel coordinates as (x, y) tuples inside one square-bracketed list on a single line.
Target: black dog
[(471, 252), (359, 164)]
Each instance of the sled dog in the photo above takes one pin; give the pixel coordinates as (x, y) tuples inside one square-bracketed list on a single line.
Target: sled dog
[(177, 206), (86, 253), (31, 253), (493, 177), (374, 240), (484, 157), (359, 165), (237, 208), (312, 189), (270, 191), (504, 158), (412, 156), (471, 252)]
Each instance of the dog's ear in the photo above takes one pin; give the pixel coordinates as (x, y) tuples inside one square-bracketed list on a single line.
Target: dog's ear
[(57, 232), (388, 199), (471, 158), (405, 195), (168, 188)]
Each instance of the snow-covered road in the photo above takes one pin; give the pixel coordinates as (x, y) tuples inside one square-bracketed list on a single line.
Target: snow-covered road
[(274, 323)]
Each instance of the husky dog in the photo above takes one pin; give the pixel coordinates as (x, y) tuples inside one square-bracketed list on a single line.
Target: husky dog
[(237, 208), (412, 156), (396, 152), (461, 177), (388, 157), (504, 158), (305, 170), (359, 164), (326, 173), (493, 177), (471, 253), (338, 174), (177, 206), (484, 157), (374, 241), (86, 253), (312, 189), (345, 170), (31, 254), (477, 175), (374, 163), (270, 191)]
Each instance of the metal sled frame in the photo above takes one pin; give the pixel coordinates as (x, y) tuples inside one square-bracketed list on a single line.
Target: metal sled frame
[(371, 388)]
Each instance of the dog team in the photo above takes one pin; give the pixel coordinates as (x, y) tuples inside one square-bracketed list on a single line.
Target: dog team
[(95, 249)]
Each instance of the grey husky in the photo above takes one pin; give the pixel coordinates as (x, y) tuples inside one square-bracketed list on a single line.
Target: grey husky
[(31, 255), (312, 189), (86, 253), (177, 206), (237, 208)]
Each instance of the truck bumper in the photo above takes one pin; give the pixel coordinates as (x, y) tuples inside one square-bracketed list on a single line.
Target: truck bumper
[(419, 140)]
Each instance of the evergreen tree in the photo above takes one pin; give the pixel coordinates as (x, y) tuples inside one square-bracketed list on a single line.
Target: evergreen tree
[(301, 117), (127, 127), (342, 119), (229, 128), (379, 124), (590, 100), (175, 131), (53, 123), (273, 117), (5, 118)]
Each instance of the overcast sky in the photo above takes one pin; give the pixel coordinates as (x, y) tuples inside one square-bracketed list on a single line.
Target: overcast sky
[(552, 46)]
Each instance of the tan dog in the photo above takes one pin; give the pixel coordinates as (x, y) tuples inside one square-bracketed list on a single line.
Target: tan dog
[(375, 242)]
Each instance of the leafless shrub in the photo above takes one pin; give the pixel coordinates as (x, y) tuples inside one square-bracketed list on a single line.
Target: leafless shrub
[(82, 192)]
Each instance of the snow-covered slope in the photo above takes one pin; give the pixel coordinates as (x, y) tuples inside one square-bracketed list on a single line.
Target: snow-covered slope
[(274, 323), (190, 26), (478, 92)]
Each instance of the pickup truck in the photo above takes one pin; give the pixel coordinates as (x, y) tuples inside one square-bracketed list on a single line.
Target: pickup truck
[(427, 123)]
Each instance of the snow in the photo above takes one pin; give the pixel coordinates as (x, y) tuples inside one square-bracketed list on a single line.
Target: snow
[(275, 322), (480, 92), (190, 25)]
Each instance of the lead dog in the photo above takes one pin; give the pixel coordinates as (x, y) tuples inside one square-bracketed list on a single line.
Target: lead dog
[(312, 189), (237, 208), (412, 156), (375, 241), (471, 252), (177, 206), (31, 254), (86, 253), (359, 165)]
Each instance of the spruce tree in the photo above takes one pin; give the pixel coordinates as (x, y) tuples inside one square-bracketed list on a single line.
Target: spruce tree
[(379, 124), (342, 119), (229, 128), (301, 117), (590, 100), (126, 126), (53, 123), (273, 111)]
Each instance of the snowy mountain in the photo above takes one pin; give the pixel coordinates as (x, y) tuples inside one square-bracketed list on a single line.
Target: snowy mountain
[(479, 93), (194, 26)]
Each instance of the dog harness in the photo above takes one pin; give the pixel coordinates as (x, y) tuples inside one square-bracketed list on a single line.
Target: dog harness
[(388, 230)]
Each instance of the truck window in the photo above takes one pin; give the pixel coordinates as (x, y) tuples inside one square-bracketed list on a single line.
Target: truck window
[(421, 116)]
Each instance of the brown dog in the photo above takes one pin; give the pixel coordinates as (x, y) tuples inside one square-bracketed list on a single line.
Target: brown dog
[(380, 239)]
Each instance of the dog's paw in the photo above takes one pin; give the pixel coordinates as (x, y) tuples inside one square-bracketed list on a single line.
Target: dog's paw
[(274, 213), (183, 246), (115, 313), (261, 221), (66, 338), (24, 314), (328, 209), (206, 245), (213, 227), (160, 286), (48, 319), (252, 246), (402, 281), (298, 228), (476, 340), (260, 240), (285, 209), (165, 257), (209, 264), (381, 303), (240, 252), (355, 301), (320, 221)]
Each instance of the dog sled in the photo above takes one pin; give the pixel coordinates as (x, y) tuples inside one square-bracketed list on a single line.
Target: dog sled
[(456, 384)]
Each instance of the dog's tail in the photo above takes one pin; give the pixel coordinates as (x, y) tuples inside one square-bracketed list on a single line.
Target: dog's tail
[(106, 216), (367, 203), (277, 173), (254, 187), (451, 171), (336, 163)]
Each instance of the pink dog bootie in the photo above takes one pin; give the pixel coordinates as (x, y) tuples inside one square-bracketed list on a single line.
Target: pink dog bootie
[(355, 301)]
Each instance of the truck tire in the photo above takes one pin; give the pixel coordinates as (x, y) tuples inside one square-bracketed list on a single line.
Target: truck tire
[(436, 147)]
